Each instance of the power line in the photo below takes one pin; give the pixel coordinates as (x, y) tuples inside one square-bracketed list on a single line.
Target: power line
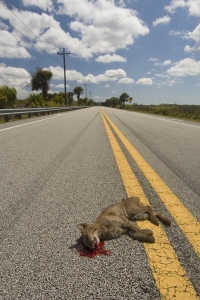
[(51, 25), (63, 55), (39, 3), (28, 38), (32, 32), (74, 63)]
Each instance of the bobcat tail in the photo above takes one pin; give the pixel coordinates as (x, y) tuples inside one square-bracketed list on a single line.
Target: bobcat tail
[(163, 219)]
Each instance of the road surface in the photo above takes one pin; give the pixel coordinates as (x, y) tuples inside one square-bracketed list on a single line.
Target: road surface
[(61, 170)]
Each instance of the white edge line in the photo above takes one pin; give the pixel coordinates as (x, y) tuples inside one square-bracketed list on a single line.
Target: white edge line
[(163, 119), (57, 115)]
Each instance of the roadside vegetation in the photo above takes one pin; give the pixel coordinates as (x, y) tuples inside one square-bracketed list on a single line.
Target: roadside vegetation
[(8, 97), (40, 96), (191, 112), (40, 82)]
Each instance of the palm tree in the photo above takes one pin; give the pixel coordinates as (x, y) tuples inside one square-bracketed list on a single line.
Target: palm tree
[(123, 98), (40, 81), (70, 98), (78, 90)]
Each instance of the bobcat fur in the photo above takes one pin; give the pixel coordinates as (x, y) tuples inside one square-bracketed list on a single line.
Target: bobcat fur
[(118, 219)]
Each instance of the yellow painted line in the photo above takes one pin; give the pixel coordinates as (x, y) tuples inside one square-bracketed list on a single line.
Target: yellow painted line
[(170, 277), (185, 220)]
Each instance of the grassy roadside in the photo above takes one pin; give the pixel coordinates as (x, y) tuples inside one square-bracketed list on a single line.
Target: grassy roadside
[(189, 112)]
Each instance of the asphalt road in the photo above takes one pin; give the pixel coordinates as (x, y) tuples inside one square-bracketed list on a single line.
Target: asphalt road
[(58, 171)]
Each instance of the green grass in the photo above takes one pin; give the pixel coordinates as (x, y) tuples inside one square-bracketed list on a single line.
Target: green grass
[(190, 112)]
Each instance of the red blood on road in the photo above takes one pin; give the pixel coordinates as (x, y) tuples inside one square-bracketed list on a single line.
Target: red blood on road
[(99, 250)]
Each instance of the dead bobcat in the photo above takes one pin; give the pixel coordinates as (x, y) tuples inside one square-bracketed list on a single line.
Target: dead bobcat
[(117, 220)]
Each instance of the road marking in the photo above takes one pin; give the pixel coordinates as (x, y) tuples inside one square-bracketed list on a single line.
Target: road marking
[(163, 119), (170, 277), (55, 116), (185, 220), (27, 123)]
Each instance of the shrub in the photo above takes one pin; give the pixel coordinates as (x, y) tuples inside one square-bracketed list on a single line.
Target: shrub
[(8, 97), (35, 100)]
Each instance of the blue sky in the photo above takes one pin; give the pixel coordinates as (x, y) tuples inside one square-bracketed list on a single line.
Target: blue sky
[(146, 48)]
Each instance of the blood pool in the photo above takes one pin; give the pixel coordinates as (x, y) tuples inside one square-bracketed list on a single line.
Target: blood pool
[(91, 253)]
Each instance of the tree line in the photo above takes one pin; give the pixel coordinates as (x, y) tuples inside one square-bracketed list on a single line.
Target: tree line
[(40, 81), (116, 102)]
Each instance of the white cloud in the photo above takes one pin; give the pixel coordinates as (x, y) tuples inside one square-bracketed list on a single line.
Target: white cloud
[(165, 63), (97, 97), (3, 26), (22, 22), (190, 35), (14, 76), (179, 33), (185, 67), (153, 59), (193, 6), (163, 20), (61, 86), (160, 75), (17, 77), (194, 35), (10, 46), (167, 81), (46, 28), (107, 86), (102, 25), (126, 80), (115, 73), (145, 81), (58, 73), (174, 5), (189, 49), (42, 4), (110, 58), (109, 75)]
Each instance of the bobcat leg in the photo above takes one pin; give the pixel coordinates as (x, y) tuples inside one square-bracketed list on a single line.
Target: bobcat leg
[(163, 219), (147, 214), (140, 236), (143, 235), (132, 227), (154, 217), (141, 217)]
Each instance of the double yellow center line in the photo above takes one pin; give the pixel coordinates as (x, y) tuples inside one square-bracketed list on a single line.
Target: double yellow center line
[(170, 276)]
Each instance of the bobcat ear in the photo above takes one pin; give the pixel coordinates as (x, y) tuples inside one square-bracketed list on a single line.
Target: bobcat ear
[(82, 226)]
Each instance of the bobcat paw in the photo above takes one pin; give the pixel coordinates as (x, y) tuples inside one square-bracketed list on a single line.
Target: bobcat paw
[(147, 232), (151, 239)]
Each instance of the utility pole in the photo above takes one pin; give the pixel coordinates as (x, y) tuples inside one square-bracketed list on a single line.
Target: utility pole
[(90, 94), (85, 84), (63, 55)]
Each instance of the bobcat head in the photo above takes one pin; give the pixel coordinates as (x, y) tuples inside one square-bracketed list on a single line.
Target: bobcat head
[(89, 235)]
